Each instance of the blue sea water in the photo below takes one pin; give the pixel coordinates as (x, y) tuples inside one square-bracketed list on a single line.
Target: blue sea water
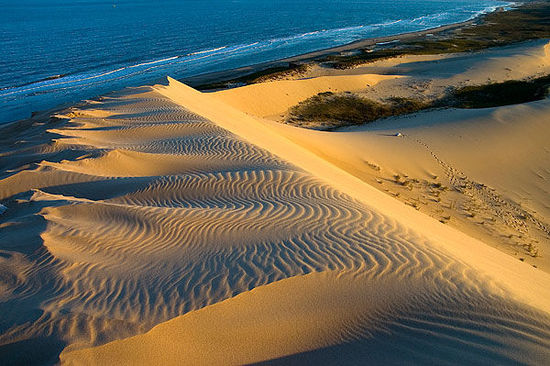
[(54, 52)]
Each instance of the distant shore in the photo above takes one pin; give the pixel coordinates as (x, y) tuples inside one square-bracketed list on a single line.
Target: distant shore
[(242, 72), (221, 76), (212, 80)]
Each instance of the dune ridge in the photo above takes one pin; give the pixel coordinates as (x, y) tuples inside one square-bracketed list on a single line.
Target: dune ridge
[(268, 135), (161, 224)]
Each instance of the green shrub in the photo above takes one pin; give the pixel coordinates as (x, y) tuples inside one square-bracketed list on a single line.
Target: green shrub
[(499, 94)]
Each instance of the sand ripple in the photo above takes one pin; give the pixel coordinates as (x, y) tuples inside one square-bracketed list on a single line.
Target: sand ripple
[(163, 215)]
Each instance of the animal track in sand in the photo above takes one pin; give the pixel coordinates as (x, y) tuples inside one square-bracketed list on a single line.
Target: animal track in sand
[(506, 215)]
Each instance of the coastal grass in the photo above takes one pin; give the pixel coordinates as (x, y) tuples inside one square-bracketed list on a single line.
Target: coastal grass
[(499, 94)]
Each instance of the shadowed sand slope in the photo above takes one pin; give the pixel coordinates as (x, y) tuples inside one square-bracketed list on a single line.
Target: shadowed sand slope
[(147, 228), (349, 317)]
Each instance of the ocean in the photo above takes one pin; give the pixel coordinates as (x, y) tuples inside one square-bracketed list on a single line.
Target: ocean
[(58, 52)]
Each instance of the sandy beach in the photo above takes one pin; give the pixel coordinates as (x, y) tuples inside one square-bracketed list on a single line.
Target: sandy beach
[(165, 225)]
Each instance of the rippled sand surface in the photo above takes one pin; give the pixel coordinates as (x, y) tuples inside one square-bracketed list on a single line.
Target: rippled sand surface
[(140, 232)]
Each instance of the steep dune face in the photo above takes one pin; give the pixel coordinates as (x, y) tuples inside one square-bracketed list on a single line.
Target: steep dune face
[(513, 62), (516, 61), (169, 237)]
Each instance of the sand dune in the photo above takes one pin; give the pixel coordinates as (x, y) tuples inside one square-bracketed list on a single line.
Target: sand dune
[(164, 225), (279, 139), (516, 61), (483, 172), (275, 97), (431, 76)]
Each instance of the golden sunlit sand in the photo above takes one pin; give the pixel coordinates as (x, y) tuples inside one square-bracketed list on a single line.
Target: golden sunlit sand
[(162, 225)]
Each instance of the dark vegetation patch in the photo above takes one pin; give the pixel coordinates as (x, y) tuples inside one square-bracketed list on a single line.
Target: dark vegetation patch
[(499, 94), (328, 110)]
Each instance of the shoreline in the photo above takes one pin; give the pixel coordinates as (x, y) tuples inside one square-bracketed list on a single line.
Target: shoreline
[(197, 81), (205, 79), (227, 75)]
